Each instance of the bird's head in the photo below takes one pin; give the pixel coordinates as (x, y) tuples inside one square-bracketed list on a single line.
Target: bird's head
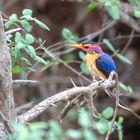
[(89, 47)]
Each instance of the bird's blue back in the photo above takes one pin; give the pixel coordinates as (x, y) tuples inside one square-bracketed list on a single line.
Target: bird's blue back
[(106, 64)]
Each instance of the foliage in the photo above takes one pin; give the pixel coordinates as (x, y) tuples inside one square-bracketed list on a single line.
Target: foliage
[(126, 88), (113, 8), (22, 43), (133, 2), (69, 36), (92, 6), (53, 131), (83, 64), (121, 57), (24, 21), (32, 131)]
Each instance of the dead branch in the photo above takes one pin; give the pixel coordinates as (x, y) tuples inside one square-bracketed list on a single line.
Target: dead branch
[(116, 92), (64, 96), (68, 106)]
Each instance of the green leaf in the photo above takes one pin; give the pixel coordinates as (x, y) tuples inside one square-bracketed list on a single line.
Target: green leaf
[(21, 132), (37, 135), (133, 2), (42, 25), (40, 60), (109, 45), (50, 54), (113, 9), (37, 130), (69, 57), (84, 120), (26, 61), (51, 136), (18, 47), (66, 33), (29, 38), (84, 68), (17, 37), (31, 51), (71, 39), (119, 127), (37, 125), (40, 41), (16, 69), (47, 65), (130, 90), (125, 87), (108, 112), (70, 42), (82, 55), (73, 134), (89, 135), (27, 12), (137, 13), (17, 53), (9, 24), (123, 58), (92, 6), (13, 17), (102, 126), (31, 69), (120, 134), (55, 127), (120, 120), (27, 17), (25, 24)]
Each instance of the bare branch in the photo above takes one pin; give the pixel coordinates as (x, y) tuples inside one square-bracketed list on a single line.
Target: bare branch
[(68, 106), (25, 82), (12, 31), (116, 93), (129, 21), (63, 96)]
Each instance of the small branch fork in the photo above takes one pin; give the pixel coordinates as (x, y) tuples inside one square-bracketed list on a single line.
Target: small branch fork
[(116, 93), (72, 95)]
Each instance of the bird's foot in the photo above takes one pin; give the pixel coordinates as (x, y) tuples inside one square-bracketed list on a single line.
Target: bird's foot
[(101, 81), (113, 75)]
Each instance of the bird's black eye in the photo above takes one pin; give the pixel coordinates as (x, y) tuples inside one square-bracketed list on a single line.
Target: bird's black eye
[(86, 47)]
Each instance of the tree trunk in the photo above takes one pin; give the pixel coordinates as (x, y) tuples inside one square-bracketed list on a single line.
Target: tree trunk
[(7, 111)]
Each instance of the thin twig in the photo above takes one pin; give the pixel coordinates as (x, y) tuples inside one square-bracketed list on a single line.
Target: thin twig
[(130, 110), (91, 107), (113, 119), (12, 31), (68, 106), (25, 82), (128, 43), (116, 92)]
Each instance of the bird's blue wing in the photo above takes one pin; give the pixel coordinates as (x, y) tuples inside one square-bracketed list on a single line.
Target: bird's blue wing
[(105, 64)]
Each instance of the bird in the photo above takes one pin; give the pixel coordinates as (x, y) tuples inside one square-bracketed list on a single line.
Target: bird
[(99, 63)]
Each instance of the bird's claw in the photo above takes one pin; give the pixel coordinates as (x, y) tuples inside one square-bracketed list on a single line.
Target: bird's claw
[(101, 81)]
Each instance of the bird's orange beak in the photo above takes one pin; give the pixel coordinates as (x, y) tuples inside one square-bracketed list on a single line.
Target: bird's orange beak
[(77, 46)]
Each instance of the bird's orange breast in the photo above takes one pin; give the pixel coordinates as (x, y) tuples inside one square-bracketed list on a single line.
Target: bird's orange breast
[(91, 65)]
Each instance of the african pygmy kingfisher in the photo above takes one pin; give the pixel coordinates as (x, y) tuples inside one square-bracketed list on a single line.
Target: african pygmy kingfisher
[(99, 64)]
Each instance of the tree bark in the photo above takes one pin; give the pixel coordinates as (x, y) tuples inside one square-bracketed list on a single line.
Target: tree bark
[(7, 111)]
